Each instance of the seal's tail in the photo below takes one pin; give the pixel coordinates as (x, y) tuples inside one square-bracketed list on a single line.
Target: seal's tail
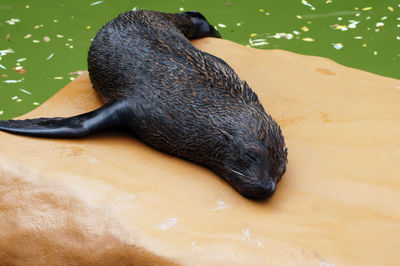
[(109, 115)]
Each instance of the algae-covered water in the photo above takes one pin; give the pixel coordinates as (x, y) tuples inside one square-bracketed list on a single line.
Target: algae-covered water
[(44, 44)]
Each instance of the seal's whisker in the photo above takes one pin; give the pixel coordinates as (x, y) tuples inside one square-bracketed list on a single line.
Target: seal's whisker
[(237, 172)]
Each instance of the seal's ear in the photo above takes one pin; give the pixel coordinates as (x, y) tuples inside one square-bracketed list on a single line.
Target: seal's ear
[(202, 27)]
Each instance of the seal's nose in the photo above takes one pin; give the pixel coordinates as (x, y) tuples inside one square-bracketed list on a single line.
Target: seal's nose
[(214, 32), (260, 191)]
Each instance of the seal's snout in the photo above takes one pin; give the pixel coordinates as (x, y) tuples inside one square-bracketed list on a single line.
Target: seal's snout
[(252, 189), (260, 191), (201, 25)]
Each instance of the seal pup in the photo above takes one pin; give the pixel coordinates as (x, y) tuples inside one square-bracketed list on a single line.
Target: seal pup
[(177, 99)]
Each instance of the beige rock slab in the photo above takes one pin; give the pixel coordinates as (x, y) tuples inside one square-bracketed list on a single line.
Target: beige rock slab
[(109, 198)]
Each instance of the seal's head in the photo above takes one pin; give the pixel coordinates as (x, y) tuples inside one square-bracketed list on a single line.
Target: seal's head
[(255, 156), (201, 26), (254, 172)]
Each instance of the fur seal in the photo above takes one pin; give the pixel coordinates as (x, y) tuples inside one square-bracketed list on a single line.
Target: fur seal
[(177, 99)]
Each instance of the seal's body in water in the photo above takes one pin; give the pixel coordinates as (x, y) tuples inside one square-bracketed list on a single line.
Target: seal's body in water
[(177, 99)]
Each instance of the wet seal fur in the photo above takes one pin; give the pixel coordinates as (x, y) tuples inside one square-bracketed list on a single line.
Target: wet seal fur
[(177, 99)]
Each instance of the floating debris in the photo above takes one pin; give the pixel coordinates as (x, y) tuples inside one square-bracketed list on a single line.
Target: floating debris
[(36, 103), (375, 52), (308, 39), (304, 2), (239, 24), (6, 51), (50, 56), (364, 45), (1, 112), (19, 60), (25, 91), (304, 28), (88, 27), (19, 70), (258, 42), (55, 21), (96, 3), (38, 26), (337, 46), (181, 9), (58, 77), (35, 41), (13, 21), (13, 81), (78, 72), (3, 67), (59, 36), (339, 27), (27, 36), (46, 39), (299, 17), (353, 24), (367, 8), (17, 99), (380, 24), (221, 25), (358, 37), (283, 35)]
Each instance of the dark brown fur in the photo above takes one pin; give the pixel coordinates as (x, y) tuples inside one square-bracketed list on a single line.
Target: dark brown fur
[(187, 102)]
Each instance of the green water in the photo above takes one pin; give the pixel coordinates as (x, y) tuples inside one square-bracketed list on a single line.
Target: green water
[(44, 43)]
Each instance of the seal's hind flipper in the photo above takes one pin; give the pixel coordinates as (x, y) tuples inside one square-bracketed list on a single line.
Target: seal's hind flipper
[(72, 127)]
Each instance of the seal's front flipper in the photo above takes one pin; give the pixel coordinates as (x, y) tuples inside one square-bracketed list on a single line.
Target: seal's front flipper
[(72, 127)]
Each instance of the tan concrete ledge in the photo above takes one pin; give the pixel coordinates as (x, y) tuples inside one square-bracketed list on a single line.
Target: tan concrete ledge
[(109, 199)]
